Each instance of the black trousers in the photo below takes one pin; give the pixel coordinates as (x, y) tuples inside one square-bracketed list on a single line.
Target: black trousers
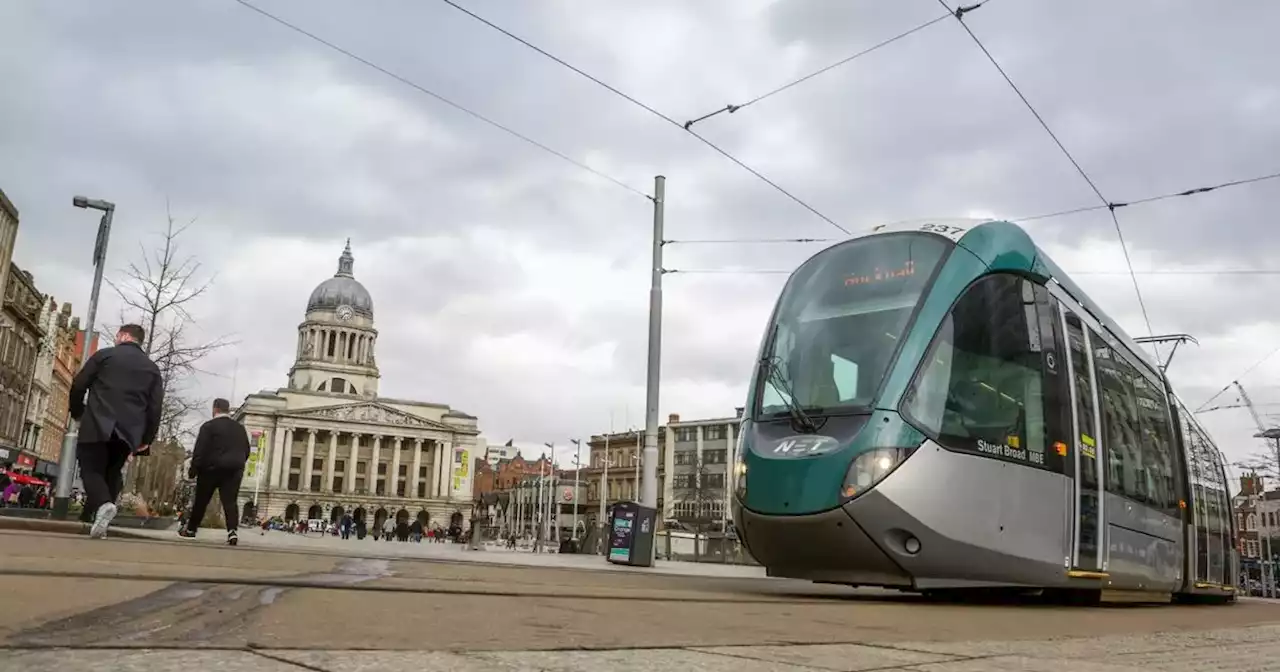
[(227, 483), (100, 467)]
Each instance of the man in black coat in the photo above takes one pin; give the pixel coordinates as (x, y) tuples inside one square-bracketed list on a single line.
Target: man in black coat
[(120, 419), (217, 463)]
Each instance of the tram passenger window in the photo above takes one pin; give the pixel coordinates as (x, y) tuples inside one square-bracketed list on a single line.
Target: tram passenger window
[(981, 386), (1126, 476), (1159, 450)]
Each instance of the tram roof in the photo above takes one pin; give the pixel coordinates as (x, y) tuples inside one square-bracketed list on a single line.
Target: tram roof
[(1006, 236), (1045, 265)]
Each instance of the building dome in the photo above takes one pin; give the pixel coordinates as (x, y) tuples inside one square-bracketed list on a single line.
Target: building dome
[(342, 289)]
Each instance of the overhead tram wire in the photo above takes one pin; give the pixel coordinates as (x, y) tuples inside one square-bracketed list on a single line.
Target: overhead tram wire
[(1060, 213), (1231, 384), (734, 108), (446, 101), (646, 108), (959, 13), (1152, 199)]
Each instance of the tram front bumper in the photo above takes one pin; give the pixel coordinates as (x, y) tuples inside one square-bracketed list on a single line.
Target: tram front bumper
[(828, 547)]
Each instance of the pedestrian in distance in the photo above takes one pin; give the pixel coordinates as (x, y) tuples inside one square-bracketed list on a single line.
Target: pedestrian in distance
[(116, 396), (217, 463)]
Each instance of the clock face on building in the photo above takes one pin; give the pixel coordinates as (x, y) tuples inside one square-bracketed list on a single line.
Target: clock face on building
[(345, 312)]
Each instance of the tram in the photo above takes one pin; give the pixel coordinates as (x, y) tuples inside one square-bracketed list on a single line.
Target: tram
[(937, 406)]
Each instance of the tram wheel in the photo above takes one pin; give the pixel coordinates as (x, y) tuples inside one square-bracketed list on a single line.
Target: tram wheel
[(1073, 597), (1193, 598)]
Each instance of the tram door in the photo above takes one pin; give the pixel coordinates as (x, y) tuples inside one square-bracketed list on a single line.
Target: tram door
[(1087, 537)]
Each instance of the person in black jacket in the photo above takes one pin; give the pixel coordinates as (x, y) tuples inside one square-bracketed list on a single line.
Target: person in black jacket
[(217, 463), (121, 418)]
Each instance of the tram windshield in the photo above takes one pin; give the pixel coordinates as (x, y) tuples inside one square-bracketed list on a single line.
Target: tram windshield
[(839, 322)]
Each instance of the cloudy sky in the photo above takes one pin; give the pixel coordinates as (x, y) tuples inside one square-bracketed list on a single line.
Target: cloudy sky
[(513, 285)]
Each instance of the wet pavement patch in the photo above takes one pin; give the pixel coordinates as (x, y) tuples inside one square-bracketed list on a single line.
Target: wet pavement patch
[(189, 613)]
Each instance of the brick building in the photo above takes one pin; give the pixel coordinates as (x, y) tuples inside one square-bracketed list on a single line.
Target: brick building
[(68, 344), (20, 338)]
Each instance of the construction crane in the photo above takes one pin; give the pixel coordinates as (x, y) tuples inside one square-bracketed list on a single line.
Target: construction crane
[(1248, 403), (1269, 586)]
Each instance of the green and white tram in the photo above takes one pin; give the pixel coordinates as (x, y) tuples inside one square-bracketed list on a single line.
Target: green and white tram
[(938, 406)]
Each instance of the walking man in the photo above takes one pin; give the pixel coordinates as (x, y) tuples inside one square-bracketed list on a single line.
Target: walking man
[(217, 463), (119, 419)]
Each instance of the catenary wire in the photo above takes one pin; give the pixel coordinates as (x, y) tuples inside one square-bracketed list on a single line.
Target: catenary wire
[(959, 13), (748, 241), (731, 108), (1152, 199), (646, 108), (1060, 213), (446, 101), (1246, 372)]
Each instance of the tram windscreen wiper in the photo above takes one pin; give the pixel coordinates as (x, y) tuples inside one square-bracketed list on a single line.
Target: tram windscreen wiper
[(773, 374)]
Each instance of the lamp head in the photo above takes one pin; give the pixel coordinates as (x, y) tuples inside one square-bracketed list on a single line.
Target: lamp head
[(80, 202)]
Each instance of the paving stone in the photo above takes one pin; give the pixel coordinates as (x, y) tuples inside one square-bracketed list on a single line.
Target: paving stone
[(844, 657), (395, 661), (635, 660), (1023, 664), (1238, 658), (141, 660)]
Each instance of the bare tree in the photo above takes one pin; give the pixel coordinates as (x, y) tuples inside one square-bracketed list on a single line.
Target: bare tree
[(700, 499), (158, 292)]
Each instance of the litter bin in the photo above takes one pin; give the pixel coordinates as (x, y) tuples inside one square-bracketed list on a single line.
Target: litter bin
[(631, 528)]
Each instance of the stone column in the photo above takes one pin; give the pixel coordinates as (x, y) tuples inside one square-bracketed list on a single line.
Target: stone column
[(349, 483), (330, 462), (287, 460), (417, 465), (374, 463), (393, 480), (277, 454), (433, 484), (442, 469), (305, 485)]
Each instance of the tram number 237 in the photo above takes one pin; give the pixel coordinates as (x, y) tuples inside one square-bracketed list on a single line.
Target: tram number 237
[(952, 232)]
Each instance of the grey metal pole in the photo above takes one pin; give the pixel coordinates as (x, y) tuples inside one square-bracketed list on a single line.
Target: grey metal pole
[(576, 473), (537, 530), (649, 490), (604, 489), (67, 460)]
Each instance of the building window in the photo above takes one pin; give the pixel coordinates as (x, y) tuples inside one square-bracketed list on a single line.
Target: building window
[(713, 433), (686, 434), (713, 481), (686, 457), (1251, 522), (717, 456)]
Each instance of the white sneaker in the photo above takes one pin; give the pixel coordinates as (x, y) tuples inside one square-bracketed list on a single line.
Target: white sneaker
[(102, 520)]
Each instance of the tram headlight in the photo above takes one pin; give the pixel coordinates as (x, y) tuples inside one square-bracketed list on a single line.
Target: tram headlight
[(870, 468), (740, 461)]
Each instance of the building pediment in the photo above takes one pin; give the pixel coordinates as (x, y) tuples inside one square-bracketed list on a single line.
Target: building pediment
[(371, 413)]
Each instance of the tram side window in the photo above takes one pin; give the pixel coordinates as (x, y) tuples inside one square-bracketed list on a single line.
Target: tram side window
[(1135, 433), (981, 388), (1119, 424), (1159, 450)]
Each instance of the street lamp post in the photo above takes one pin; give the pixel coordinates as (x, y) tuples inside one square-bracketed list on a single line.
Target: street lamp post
[(577, 472), (551, 495), (66, 462)]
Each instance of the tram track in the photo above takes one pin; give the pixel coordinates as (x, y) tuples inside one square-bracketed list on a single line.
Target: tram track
[(568, 593)]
